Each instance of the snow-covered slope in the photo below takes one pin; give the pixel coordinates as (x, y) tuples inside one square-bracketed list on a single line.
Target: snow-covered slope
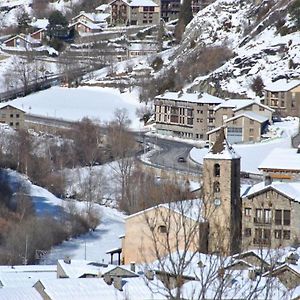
[(253, 33)]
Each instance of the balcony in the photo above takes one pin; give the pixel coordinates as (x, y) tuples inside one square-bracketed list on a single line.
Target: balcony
[(261, 241), (262, 221)]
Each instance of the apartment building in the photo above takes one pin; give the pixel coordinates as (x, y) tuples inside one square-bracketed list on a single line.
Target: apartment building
[(135, 12), (284, 97), (233, 107), (187, 115), (271, 214), (243, 128)]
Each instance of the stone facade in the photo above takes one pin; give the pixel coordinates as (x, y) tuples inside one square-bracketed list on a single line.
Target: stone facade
[(270, 219), (12, 116), (284, 98), (221, 187)]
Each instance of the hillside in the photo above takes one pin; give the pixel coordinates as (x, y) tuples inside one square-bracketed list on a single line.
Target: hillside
[(262, 37)]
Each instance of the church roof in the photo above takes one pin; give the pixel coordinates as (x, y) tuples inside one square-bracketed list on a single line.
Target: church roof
[(221, 149)]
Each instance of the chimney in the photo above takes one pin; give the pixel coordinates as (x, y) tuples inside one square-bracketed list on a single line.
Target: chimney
[(268, 180), (292, 259), (118, 283), (67, 260), (132, 266), (149, 274), (108, 279)]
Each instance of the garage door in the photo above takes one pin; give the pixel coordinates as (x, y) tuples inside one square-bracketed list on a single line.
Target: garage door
[(234, 135)]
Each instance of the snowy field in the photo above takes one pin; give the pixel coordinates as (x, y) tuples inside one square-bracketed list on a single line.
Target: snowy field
[(92, 245), (253, 154), (75, 103)]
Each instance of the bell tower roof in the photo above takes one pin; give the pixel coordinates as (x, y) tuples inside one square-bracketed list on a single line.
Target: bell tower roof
[(221, 149)]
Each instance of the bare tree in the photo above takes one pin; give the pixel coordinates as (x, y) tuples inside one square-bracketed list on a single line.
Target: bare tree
[(122, 145)]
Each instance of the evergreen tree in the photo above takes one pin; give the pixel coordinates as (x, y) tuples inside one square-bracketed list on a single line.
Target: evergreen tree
[(23, 22), (58, 25), (185, 17)]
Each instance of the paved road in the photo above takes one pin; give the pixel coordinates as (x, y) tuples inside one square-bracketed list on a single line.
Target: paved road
[(168, 154)]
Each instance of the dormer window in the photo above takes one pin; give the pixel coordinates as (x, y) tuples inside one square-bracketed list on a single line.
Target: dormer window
[(217, 170)]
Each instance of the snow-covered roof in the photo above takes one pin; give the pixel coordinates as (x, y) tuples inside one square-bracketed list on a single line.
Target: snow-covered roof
[(289, 189), (251, 115), (78, 268), (2, 105), (90, 25), (40, 23), (282, 159), (282, 85), (94, 17), (19, 279), (190, 97), (96, 288), (189, 208), (20, 293), (143, 47), (221, 149), (102, 7), (226, 153), (136, 3), (237, 104)]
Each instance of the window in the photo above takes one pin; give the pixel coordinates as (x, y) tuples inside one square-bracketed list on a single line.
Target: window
[(217, 170), (247, 211), (17, 124), (11, 115), (162, 229), (267, 216), (190, 121), (286, 234), (267, 235), (261, 108), (287, 217), (17, 116), (259, 215), (278, 234), (251, 130), (278, 217), (251, 121), (216, 187), (247, 232)]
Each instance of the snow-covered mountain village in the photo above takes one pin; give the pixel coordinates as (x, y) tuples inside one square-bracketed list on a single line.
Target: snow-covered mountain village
[(149, 149)]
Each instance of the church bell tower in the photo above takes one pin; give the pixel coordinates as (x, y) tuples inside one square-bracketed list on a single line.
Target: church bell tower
[(221, 195)]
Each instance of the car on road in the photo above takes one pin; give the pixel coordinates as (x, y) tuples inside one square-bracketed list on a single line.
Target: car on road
[(181, 159)]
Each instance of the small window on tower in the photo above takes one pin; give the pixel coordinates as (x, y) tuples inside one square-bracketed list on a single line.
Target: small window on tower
[(217, 170), (216, 187), (162, 229)]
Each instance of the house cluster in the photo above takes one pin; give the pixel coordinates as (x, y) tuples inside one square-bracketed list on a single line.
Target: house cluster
[(273, 275), (202, 116), (230, 220)]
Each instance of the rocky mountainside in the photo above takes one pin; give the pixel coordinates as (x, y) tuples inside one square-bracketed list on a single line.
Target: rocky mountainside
[(262, 36)]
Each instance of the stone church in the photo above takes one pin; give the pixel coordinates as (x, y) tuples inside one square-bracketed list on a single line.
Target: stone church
[(224, 220)]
